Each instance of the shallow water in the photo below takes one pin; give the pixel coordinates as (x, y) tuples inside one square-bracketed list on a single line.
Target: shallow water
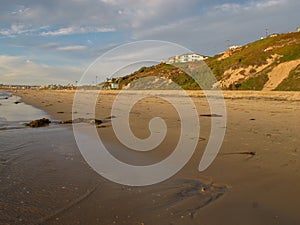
[(14, 113), (45, 180), (39, 174), (26, 182)]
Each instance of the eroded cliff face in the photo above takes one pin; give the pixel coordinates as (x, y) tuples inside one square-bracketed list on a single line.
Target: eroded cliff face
[(279, 73), (238, 75)]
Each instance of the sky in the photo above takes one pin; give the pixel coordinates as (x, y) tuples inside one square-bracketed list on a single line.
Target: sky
[(55, 42)]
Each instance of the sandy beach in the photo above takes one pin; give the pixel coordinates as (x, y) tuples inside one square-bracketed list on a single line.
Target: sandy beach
[(238, 188)]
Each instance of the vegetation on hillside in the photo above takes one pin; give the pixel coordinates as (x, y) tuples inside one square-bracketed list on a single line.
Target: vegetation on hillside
[(245, 60), (292, 82), (257, 53), (161, 70), (285, 46)]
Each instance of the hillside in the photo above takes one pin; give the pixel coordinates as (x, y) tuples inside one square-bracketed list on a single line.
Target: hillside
[(268, 64), (161, 76), (272, 63)]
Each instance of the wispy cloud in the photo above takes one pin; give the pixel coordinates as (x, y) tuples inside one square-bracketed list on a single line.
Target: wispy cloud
[(20, 69), (269, 3), (54, 46), (247, 6), (21, 10), (228, 7), (76, 30), (48, 30), (72, 48), (16, 29)]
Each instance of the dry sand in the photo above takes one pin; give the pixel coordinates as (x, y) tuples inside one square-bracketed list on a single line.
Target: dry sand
[(241, 188)]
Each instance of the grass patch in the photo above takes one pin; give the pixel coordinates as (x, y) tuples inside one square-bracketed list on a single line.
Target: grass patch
[(254, 83)]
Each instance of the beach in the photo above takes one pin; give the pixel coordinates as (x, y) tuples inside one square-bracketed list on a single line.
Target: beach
[(254, 179)]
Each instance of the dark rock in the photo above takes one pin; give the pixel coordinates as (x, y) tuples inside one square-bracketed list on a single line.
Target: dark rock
[(211, 115), (253, 153), (78, 120), (66, 122), (82, 120), (39, 123), (97, 122), (110, 117), (17, 102)]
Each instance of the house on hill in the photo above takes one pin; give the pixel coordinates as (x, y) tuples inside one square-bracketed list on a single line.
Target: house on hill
[(298, 29), (110, 84), (273, 35), (234, 47), (186, 58)]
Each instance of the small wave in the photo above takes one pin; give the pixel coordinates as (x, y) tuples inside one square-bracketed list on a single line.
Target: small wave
[(11, 125), (11, 128), (12, 111), (5, 94)]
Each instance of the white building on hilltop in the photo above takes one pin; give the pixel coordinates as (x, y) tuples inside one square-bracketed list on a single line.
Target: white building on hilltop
[(186, 58)]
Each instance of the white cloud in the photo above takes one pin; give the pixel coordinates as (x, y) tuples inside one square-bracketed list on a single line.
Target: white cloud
[(247, 6), (52, 45), (239, 22), (72, 48), (76, 30), (269, 3), (228, 7), (21, 10), (93, 15), (22, 70), (200, 25), (16, 29)]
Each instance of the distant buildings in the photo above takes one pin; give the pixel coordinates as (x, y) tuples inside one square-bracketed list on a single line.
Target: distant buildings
[(114, 86), (57, 87), (37, 87), (234, 47), (186, 58), (111, 84), (273, 35), (18, 87)]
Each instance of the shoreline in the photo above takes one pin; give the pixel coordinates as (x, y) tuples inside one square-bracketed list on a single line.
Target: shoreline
[(262, 189), (228, 95)]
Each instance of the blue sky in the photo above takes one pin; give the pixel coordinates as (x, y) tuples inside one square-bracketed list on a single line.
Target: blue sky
[(51, 42)]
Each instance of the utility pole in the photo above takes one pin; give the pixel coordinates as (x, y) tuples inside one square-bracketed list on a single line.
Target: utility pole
[(96, 80), (227, 44), (267, 32)]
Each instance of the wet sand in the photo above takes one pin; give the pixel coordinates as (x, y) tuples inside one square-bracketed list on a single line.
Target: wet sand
[(239, 188)]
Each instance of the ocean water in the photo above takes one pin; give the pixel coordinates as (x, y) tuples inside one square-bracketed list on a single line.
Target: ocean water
[(38, 166), (43, 176), (14, 113)]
